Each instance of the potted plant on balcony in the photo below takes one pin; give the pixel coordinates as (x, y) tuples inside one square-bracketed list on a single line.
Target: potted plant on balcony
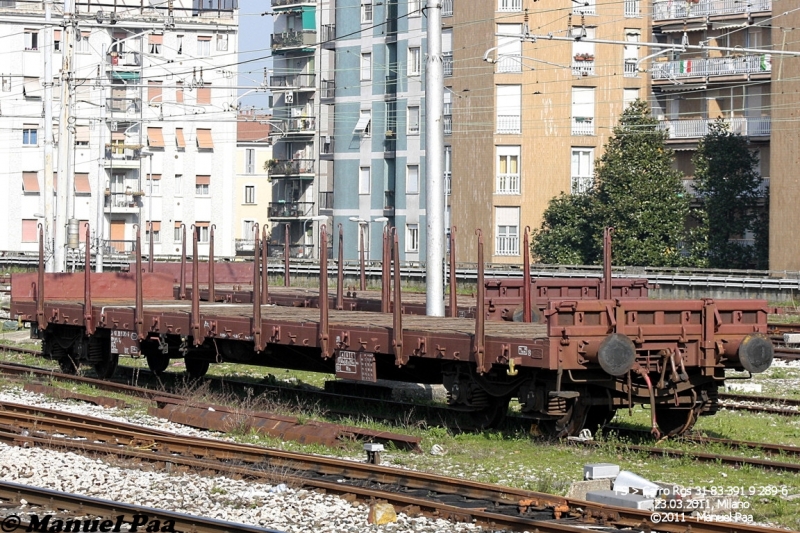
[(389, 134), (579, 57)]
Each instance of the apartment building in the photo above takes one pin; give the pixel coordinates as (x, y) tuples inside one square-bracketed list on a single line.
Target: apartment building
[(253, 190), (530, 118), (153, 121)]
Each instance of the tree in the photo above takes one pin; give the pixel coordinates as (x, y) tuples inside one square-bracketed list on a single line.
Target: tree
[(731, 208), (567, 232), (640, 194)]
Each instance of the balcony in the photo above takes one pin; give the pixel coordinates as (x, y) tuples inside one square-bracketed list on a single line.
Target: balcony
[(509, 124), (447, 8), (292, 3), (122, 156), (123, 106), (119, 247), (715, 66), (448, 124), (580, 184), (582, 66), (326, 201), (507, 6), (290, 210), (669, 10), (244, 246), (583, 125), (630, 68), (388, 203), (632, 8), (509, 63), (391, 86), (301, 126), (124, 60), (507, 184), (123, 202), (698, 127), (294, 39), (294, 81), (506, 245), (447, 62), (389, 146), (326, 148), (277, 168), (327, 90), (328, 36)]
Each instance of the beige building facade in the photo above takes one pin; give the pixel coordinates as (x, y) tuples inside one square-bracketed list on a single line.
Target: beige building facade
[(252, 187), (530, 118)]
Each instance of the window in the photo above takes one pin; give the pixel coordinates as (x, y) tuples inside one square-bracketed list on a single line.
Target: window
[(412, 179), (177, 186), (583, 111), (177, 234), (509, 49), (31, 39), (222, 42), (508, 170), (364, 123), (155, 138), (412, 237), (247, 229), (507, 236), (6, 80), (250, 161), (366, 12), (448, 169), (179, 92), (30, 135), (364, 180), (82, 136), (509, 108), (204, 139), (31, 88), (582, 170), (249, 194), (155, 42), (30, 182), (156, 232), (154, 184), (630, 53), (204, 95), (56, 40), (583, 52), (154, 92), (81, 183), (414, 61), (202, 231), (629, 96), (30, 230), (203, 46), (366, 66), (413, 120), (179, 44), (447, 113), (413, 8), (202, 185), (180, 140), (82, 42)]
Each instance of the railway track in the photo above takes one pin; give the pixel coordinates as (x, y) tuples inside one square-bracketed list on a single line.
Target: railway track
[(77, 506), (410, 491)]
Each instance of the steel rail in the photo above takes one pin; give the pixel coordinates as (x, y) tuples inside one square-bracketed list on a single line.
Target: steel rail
[(81, 506), (455, 499)]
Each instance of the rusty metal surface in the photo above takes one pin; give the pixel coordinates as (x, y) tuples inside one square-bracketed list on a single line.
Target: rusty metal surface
[(102, 401)]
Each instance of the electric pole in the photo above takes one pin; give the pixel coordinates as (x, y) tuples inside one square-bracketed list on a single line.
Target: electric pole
[(434, 168), (64, 170), (99, 227), (48, 136)]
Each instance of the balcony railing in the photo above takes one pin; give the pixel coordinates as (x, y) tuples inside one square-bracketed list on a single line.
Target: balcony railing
[(448, 124), (124, 200), (391, 84), (697, 128), (124, 59), (282, 209), (283, 3), (670, 10), (583, 67), (327, 146), (291, 167), (506, 245), (507, 184), (303, 81), (447, 8), (581, 8), (111, 247), (326, 200), (328, 89), (124, 105), (582, 125), (715, 66), (630, 68), (509, 5), (448, 183), (509, 63), (301, 125), (121, 152), (762, 190), (632, 8), (244, 246), (580, 184), (509, 123), (328, 35), (294, 39), (388, 200), (447, 63)]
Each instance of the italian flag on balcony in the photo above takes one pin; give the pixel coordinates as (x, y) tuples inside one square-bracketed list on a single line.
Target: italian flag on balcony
[(686, 66), (766, 61)]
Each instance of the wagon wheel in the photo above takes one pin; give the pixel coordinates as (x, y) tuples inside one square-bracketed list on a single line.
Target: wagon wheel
[(569, 424), (68, 365), (492, 415), (196, 368), (107, 367), (598, 416), (157, 362), (674, 421)]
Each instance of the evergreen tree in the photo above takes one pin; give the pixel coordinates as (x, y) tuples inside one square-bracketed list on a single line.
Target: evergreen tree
[(567, 233), (640, 194), (731, 207)]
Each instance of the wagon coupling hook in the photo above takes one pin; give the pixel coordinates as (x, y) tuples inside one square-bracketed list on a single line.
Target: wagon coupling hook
[(511, 370)]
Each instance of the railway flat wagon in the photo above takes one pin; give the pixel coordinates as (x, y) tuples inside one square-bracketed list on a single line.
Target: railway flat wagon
[(587, 359)]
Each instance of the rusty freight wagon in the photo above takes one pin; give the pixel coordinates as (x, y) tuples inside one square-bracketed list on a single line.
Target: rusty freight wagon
[(589, 357)]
